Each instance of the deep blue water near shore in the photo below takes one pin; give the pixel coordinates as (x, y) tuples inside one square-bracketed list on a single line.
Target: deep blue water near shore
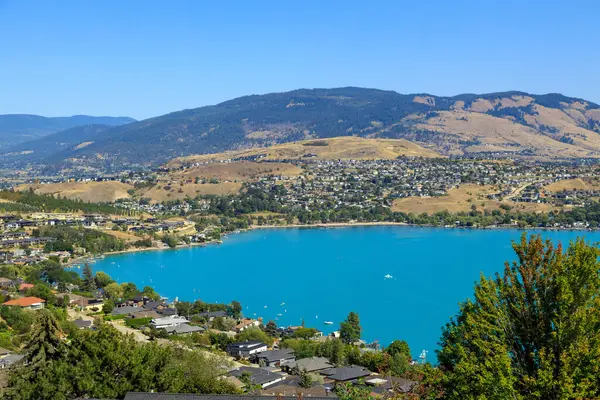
[(322, 274)]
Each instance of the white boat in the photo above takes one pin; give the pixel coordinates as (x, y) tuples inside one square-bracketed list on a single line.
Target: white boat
[(388, 276), (328, 323), (282, 304)]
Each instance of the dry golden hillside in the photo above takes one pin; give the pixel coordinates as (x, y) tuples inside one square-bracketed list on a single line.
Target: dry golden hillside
[(348, 147), (462, 199), (574, 184), (95, 192)]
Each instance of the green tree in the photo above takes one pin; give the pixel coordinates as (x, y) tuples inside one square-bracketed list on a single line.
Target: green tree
[(398, 347), (129, 290), (108, 306), (531, 333), (102, 279), (350, 329), (149, 292), (305, 379), (89, 283), (254, 334), (113, 291), (235, 309), (271, 329)]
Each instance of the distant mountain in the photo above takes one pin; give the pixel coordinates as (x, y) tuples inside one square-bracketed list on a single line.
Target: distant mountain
[(514, 123), (18, 128), (48, 148)]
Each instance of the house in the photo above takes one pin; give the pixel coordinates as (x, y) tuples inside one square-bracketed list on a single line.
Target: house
[(245, 324), (344, 374), (272, 358), (23, 287), (167, 322), (6, 283), (29, 303), (389, 384), (167, 311), (311, 364), (212, 315), (258, 376), (144, 314), (292, 386), (126, 310), (183, 329), (245, 349), (83, 323)]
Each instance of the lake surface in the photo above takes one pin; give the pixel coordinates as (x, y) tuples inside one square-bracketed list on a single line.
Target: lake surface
[(322, 274)]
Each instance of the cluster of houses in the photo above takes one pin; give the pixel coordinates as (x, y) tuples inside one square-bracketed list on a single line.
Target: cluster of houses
[(278, 373)]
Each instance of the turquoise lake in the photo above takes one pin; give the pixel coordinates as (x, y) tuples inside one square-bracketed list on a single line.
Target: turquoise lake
[(322, 274)]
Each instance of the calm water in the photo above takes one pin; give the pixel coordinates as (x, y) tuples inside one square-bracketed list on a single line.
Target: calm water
[(322, 274)]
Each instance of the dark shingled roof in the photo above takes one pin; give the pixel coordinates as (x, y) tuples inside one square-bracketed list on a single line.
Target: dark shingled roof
[(346, 373)]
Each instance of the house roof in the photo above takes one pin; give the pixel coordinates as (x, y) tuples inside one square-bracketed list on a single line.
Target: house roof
[(258, 376), (311, 364), (25, 301), (145, 314), (174, 319), (126, 310), (212, 314), (26, 286), (275, 355), (82, 323), (346, 373), (250, 344), (184, 328)]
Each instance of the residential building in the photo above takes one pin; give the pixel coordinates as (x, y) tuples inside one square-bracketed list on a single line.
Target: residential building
[(272, 358), (167, 322), (245, 349), (258, 376), (29, 303)]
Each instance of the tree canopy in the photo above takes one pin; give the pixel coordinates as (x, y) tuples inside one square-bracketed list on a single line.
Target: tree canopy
[(531, 333)]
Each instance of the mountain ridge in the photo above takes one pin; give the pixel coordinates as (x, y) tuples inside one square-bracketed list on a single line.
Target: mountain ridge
[(19, 128), (511, 123)]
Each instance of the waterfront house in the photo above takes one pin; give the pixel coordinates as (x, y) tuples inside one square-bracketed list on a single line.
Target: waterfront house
[(258, 376), (272, 358), (167, 322), (245, 349), (27, 303)]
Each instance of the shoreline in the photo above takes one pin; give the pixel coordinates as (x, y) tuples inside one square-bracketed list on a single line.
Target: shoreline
[(326, 226)]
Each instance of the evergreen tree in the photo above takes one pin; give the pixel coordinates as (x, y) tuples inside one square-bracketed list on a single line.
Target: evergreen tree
[(271, 329), (350, 329), (89, 282)]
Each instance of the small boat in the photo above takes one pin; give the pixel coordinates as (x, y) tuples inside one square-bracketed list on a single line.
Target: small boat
[(279, 315), (265, 307), (282, 304), (388, 276), (328, 323)]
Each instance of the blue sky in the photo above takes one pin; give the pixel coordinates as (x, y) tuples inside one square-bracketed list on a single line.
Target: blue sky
[(146, 58)]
